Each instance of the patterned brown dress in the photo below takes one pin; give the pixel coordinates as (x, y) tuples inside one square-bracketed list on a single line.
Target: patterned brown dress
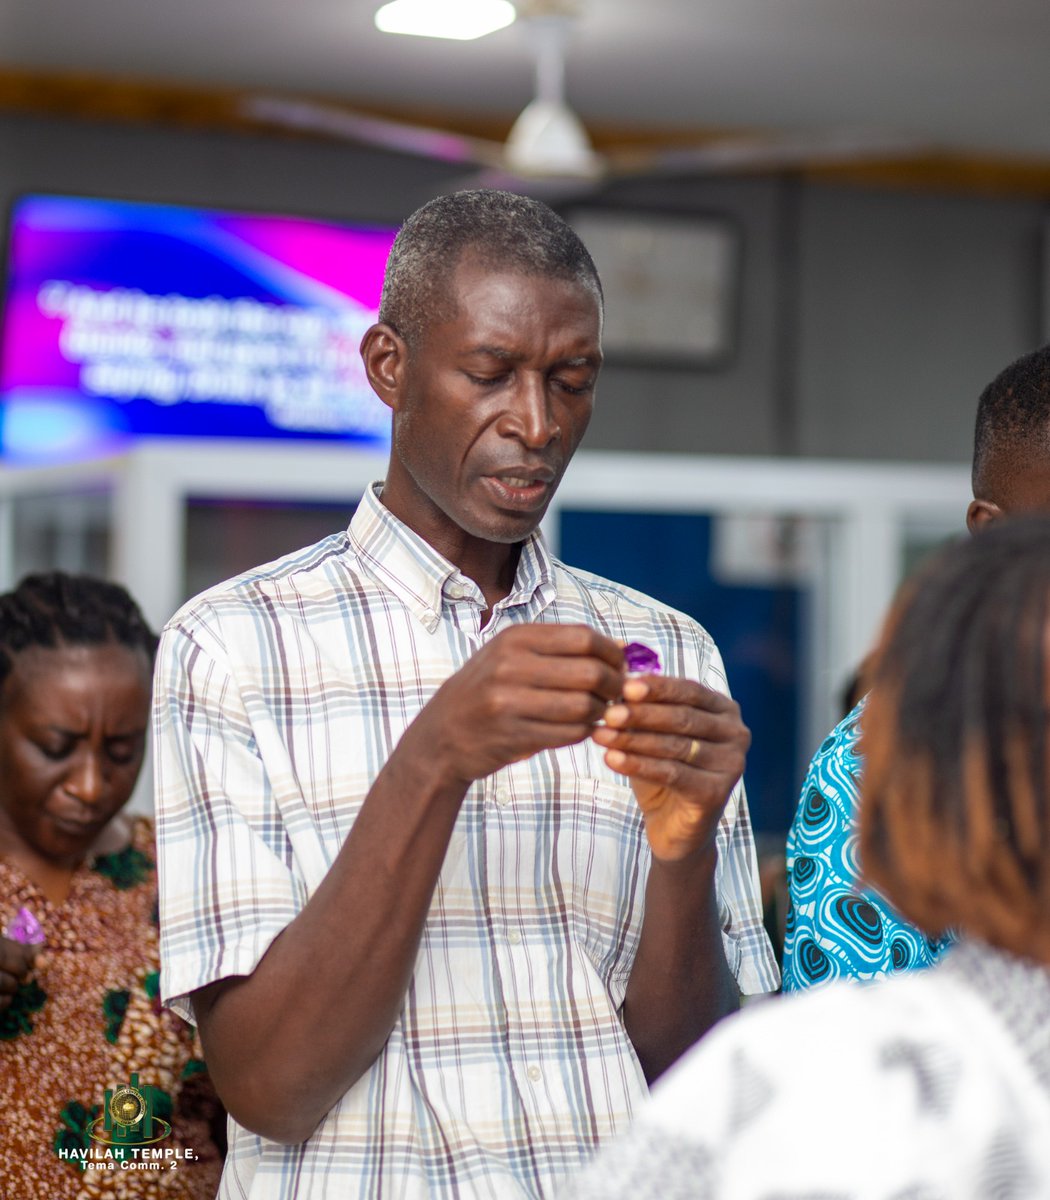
[(87, 1019)]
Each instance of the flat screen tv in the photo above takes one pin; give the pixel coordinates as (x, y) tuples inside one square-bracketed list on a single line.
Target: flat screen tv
[(125, 320)]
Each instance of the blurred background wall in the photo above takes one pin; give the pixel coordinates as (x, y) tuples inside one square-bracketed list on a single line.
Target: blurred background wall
[(868, 318)]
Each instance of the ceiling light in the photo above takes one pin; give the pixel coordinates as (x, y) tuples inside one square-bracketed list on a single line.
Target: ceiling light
[(462, 20)]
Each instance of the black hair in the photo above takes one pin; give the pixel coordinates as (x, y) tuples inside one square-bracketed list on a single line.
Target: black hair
[(955, 808), (55, 609), (1013, 421), (500, 229)]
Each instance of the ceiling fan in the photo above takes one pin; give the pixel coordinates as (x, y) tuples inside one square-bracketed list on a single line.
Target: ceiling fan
[(548, 150)]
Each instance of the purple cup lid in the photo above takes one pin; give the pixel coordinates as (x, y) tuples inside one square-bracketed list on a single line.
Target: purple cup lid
[(640, 660), (25, 928)]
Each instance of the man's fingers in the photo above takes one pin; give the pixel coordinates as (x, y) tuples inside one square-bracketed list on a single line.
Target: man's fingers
[(693, 752), (556, 657), (559, 678), (577, 659), (544, 706), (591, 675), (711, 762), (549, 735), (667, 689), (532, 736), (704, 782), (567, 641), (680, 721)]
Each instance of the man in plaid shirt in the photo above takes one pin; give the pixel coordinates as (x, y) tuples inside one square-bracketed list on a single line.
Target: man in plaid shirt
[(442, 885)]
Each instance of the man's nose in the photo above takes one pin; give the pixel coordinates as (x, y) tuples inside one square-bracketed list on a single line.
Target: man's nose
[(532, 419)]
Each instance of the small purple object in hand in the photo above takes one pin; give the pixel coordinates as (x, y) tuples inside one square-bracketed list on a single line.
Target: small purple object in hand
[(25, 928), (640, 660)]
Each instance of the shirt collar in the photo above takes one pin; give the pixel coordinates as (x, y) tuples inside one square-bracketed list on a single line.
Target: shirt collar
[(424, 580)]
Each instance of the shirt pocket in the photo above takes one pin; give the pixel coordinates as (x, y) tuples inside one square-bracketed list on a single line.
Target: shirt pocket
[(608, 861)]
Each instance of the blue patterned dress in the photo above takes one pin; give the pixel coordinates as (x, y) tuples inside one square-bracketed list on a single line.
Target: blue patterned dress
[(835, 929)]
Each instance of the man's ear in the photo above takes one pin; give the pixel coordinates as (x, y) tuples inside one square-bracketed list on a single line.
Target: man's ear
[(384, 353), (981, 513)]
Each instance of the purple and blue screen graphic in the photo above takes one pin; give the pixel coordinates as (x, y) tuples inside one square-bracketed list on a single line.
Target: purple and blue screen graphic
[(127, 320)]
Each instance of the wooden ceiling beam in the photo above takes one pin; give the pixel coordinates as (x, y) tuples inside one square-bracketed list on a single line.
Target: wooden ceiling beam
[(77, 95), (971, 174)]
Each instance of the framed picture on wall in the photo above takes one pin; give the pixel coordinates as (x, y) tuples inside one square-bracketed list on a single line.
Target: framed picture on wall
[(670, 284)]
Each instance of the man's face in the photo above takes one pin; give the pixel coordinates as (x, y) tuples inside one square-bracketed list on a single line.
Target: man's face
[(1028, 488), (1023, 487), (491, 404)]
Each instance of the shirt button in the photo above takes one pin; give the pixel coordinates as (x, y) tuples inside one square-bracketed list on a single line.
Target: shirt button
[(514, 937), (502, 797), (535, 1074), (456, 591)]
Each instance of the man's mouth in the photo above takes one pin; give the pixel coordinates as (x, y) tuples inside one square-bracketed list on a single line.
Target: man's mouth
[(522, 489), (521, 474)]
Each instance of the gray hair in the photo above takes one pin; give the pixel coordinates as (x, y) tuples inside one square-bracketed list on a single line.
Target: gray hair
[(499, 229)]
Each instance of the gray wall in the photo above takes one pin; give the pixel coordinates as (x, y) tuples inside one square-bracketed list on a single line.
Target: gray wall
[(867, 321), (908, 305)]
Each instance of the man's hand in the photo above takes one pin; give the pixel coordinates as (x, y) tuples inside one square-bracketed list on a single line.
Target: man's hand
[(683, 747), (533, 687), (16, 961)]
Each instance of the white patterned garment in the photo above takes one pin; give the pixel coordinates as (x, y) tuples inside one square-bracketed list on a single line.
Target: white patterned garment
[(279, 696), (934, 1085)]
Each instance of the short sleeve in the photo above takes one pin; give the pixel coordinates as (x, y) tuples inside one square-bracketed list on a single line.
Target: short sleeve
[(746, 943), (227, 872)]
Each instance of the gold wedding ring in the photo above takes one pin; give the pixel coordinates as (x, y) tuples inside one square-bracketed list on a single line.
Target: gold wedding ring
[(694, 750)]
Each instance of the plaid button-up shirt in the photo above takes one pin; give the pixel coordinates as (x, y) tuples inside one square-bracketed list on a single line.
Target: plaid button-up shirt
[(279, 696)]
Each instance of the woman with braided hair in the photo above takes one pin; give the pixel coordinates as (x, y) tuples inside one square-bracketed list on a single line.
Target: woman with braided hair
[(925, 1084), (80, 1019)]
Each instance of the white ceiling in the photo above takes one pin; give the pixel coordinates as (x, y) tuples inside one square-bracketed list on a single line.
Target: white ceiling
[(963, 74)]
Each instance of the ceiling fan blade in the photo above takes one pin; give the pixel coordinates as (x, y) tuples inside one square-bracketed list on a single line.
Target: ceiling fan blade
[(758, 153), (344, 124), (554, 181)]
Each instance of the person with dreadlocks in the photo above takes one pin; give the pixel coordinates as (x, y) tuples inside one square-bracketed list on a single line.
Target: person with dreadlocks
[(927, 1083), (835, 928), (79, 957)]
